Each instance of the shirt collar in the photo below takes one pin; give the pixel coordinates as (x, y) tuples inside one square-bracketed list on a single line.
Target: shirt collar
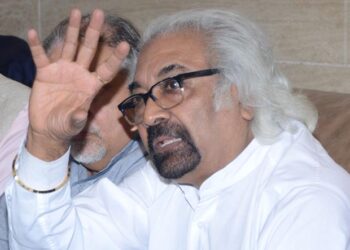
[(236, 170), (132, 149)]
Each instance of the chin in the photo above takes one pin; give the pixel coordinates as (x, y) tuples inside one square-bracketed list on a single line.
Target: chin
[(88, 153), (176, 165)]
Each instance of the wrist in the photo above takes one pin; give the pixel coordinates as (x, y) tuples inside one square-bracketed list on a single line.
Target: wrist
[(44, 147)]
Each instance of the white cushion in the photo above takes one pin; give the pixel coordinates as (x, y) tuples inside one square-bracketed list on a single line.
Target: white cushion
[(13, 97)]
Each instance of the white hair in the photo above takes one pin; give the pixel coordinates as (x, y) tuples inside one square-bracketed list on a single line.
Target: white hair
[(244, 56)]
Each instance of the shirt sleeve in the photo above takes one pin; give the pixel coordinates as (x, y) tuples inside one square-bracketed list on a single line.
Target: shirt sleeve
[(41, 175), (104, 216), (313, 218), (9, 146)]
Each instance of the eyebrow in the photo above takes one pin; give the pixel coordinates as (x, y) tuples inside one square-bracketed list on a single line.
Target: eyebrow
[(134, 85), (167, 69)]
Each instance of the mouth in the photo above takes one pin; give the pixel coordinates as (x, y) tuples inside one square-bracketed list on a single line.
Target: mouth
[(164, 143)]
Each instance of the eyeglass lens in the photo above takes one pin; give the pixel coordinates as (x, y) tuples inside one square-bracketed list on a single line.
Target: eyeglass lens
[(166, 94)]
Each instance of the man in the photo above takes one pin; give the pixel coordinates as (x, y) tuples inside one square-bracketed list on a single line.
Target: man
[(105, 140), (220, 123), (104, 147)]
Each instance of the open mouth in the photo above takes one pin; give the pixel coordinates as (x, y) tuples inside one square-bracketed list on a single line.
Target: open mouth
[(165, 143)]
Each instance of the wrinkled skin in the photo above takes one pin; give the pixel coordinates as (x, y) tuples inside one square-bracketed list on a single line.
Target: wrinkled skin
[(64, 90)]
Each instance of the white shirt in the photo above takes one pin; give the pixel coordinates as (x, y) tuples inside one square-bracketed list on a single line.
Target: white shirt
[(9, 146), (288, 195)]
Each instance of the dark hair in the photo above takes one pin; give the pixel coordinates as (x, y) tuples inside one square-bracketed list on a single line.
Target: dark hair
[(116, 29)]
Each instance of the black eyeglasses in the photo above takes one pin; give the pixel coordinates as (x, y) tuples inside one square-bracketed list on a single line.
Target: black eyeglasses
[(167, 94)]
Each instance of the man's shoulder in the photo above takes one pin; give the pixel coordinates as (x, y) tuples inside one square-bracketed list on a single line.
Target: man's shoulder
[(305, 178), (305, 186), (305, 166), (144, 187), (312, 215)]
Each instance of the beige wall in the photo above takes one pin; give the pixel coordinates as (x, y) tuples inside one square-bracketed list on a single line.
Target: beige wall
[(311, 37)]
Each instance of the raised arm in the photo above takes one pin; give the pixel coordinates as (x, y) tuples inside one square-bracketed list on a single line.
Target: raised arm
[(45, 216)]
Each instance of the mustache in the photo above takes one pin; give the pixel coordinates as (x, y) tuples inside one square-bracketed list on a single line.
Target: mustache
[(167, 129)]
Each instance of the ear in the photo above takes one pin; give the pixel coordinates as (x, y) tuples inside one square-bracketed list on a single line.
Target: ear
[(247, 113)]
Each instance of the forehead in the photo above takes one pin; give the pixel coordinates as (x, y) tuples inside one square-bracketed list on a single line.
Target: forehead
[(185, 49)]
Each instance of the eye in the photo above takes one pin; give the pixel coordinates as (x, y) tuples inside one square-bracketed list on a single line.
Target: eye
[(133, 102), (170, 85)]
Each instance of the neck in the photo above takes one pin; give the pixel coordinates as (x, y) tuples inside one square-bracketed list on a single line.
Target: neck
[(207, 168)]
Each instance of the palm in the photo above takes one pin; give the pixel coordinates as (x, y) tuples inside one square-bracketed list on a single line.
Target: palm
[(64, 90), (62, 94)]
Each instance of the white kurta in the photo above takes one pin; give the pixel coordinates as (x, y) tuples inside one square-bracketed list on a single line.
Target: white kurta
[(288, 195)]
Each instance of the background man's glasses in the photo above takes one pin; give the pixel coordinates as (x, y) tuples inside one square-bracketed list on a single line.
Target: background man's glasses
[(167, 94)]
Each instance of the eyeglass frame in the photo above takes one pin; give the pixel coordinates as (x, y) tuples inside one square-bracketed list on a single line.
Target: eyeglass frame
[(178, 78)]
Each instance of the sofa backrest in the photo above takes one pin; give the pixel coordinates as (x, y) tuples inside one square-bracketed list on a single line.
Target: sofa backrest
[(333, 127), (13, 97)]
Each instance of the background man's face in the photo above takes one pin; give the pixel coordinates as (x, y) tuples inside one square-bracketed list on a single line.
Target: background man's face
[(192, 140), (105, 133)]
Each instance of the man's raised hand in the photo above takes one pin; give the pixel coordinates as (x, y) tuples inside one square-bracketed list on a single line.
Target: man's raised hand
[(64, 90)]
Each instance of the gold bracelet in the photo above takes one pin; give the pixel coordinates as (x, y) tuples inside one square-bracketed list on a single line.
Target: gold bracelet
[(14, 173)]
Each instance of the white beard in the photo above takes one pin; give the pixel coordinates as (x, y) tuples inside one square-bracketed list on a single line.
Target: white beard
[(89, 150)]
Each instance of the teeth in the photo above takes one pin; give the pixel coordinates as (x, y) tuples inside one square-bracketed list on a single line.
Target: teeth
[(169, 142)]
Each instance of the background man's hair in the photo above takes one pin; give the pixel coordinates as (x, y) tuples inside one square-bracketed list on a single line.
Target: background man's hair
[(242, 52), (116, 30)]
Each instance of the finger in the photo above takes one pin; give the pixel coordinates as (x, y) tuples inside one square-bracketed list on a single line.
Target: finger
[(92, 36), (108, 70), (72, 35), (39, 56)]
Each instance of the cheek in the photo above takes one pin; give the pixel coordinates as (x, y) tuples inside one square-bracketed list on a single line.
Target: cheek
[(200, 124), (108, 120), (105, 116), (200, 133), (143, 135)]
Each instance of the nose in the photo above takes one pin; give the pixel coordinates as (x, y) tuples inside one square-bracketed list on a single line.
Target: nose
[(154, 114)]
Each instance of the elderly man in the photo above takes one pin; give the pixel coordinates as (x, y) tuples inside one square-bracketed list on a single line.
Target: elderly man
[(105, 140), (103, 148), (222, 128)]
